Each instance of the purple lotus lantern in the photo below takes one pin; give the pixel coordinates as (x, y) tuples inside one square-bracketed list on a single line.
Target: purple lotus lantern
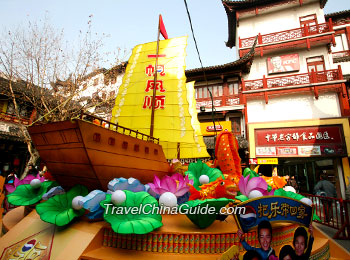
[(173, 188), (12, 187), (254, 187)]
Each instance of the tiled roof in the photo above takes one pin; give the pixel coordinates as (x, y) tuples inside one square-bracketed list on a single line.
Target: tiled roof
[(232, 6), (252, 3), (338, 14)]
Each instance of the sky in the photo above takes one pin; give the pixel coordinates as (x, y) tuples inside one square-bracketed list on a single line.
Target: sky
[(129, 23)]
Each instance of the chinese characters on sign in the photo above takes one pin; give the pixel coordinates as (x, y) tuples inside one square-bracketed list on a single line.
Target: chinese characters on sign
[(159, 99), (273, 209), (300, 141), (285, 210), (295, 136)]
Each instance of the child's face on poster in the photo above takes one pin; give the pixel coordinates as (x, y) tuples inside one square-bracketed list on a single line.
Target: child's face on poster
[(265, 238), (299, 245)]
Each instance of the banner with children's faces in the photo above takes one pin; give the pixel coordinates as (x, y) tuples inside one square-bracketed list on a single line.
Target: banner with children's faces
[(273, 209)]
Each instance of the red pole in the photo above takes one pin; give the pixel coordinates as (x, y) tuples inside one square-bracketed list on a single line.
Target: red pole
[(155, 83)]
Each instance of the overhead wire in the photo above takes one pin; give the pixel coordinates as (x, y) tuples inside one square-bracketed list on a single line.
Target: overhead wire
[(205, 76)]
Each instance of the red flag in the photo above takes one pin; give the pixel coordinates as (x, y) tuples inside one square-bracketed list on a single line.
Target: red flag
[(162, 28)]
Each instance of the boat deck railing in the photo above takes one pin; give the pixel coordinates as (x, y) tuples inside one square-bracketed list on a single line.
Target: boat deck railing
[(118, 128)]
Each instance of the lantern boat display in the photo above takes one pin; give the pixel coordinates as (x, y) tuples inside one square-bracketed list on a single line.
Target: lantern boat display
[(109, 172)]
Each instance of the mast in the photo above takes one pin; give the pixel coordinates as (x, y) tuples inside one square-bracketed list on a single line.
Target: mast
[(155, 83)]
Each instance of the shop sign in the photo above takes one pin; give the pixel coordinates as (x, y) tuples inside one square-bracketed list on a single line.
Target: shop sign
[(265, 151), (211, 128), (207, 128), (300, 141), (253, 161), (299, 136), (287, 151), (267, 161), (309, 150)]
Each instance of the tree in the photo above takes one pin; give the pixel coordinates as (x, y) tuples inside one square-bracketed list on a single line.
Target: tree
[(47, 72)]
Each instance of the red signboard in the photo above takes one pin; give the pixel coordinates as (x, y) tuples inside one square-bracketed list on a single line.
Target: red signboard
[(300, 141), (211, 128), (284, 63), (299, 136)]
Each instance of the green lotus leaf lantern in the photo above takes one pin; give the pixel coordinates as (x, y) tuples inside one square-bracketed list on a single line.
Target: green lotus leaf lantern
[(289, 194), (247, 171), (196, 215), (123, 214), (198, 169), (27, 194), (58, 210)]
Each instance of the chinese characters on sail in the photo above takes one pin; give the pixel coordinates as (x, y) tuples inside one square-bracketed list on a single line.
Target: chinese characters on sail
[(159, 99)]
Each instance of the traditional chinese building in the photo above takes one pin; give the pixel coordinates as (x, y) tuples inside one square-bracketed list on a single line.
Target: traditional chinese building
[(13, 149), (341, 51), (101, 86), (223, 81), (295, 97)]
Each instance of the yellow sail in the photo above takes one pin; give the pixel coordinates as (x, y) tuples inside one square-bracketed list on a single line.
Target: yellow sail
[(175, 108)]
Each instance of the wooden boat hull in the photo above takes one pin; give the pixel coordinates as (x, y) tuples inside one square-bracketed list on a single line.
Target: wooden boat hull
[(80, 152)]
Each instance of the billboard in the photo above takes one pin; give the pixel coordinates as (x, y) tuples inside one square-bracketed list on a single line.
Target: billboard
[(325, 140), (284, 63), (273, 209)]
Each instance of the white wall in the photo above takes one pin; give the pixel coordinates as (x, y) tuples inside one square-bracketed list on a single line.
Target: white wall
[(293, 107), (278, 21), (345, 66)]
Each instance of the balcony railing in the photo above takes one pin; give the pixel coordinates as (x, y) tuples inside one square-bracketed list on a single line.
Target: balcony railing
[(293, 34), (341, 54), (13, 118), (293, 80), (220, 101)]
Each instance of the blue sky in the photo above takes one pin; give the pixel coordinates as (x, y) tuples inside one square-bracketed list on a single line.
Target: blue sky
[(133, 22)]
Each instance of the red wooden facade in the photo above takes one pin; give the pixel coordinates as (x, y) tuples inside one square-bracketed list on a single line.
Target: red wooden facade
[(304, 37)]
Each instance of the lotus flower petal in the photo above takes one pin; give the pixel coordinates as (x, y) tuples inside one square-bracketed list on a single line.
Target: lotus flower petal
[(181, 191), (256, 183), (10, 188), (169, 184), (187, 180), (242, 184), (175, 184), (155, 189), (16, 181), (177, 177), (156, 181)]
